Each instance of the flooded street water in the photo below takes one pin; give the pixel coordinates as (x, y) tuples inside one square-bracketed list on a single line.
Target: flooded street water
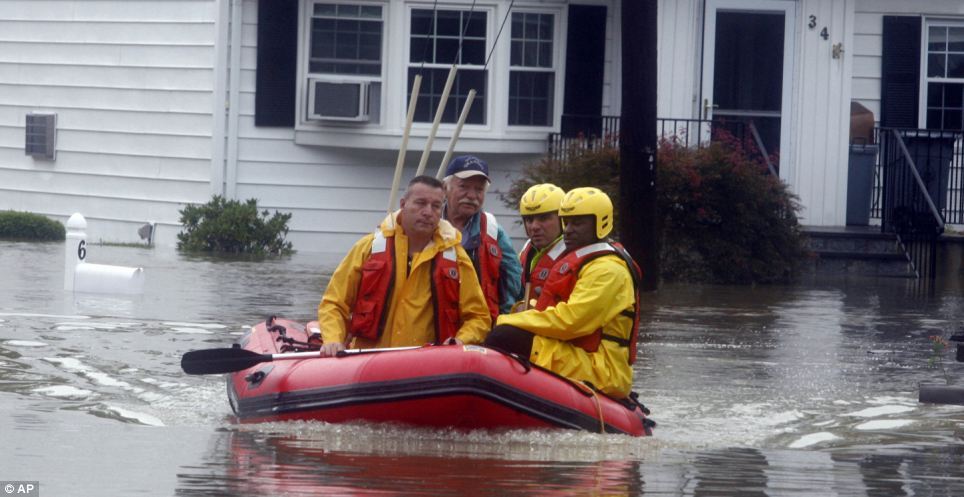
[(800, 390)]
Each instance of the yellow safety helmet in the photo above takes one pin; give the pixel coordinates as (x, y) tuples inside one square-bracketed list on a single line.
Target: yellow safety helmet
[(539, 199), (589, 201)]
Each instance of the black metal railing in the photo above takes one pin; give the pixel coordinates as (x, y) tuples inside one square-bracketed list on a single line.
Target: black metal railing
[(913, 191), (592, 132), (939, 158), (583, 133)]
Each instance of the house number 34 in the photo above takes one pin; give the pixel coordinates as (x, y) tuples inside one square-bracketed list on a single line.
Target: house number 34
[(813, 24)]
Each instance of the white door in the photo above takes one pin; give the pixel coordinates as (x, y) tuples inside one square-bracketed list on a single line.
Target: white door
[(747, 64)]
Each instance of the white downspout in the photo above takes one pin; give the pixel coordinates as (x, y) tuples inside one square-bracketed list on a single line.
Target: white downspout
[(219, 102), (234, 99)]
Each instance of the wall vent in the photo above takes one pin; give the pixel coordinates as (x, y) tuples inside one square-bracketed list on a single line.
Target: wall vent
[(41, 134)]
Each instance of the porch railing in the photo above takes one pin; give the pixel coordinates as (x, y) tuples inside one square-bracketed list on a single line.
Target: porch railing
[(914, 194), (593, 132)]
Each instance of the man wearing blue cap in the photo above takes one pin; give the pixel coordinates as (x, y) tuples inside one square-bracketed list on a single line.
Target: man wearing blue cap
[(466, 181)]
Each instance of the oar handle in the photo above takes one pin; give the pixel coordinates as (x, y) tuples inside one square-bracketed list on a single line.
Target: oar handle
[(348, 352), (295, 355), (230, 360)]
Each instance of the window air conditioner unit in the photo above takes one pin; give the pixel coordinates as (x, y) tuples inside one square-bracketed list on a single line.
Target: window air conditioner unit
[(338, 100)]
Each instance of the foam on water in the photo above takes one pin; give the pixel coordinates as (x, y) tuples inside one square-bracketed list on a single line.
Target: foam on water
[(36, 315), (24, 343), (527, 445), (813, 439), (873, 412), (191, 331), (129, 415), (193, 405), (890, 399), (64, 392), (74, 365), (74, 328), (211, 326), (884, 424), (69, 326)]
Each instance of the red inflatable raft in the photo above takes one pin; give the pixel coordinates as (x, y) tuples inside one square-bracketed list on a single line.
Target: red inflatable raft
[(456, 386)]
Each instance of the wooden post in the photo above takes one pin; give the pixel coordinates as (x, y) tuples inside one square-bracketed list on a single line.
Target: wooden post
[(639, 226)]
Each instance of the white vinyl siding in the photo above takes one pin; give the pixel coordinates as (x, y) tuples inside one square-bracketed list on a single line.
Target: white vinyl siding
[(868, 42), (131, 84)]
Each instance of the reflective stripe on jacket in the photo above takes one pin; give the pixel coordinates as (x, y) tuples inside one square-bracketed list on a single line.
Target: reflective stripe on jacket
[(374, 292), (489, 260)]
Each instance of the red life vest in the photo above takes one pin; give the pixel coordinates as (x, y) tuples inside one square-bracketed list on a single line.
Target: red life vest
[(370, 310), (488, 261), (536, 278), (562, 279)]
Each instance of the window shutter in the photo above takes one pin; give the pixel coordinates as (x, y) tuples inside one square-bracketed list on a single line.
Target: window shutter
[(900, 72), (274, 100)]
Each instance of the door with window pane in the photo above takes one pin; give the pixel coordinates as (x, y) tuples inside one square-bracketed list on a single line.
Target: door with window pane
[(746, 68), (585, 66)]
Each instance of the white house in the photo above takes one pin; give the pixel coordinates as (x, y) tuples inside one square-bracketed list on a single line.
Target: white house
[(301, 103)]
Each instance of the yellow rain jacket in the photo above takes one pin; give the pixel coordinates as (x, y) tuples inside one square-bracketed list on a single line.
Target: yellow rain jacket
[(603, 291), (410, 318)]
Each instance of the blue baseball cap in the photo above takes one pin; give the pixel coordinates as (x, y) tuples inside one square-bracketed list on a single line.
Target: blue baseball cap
[(466, 166)]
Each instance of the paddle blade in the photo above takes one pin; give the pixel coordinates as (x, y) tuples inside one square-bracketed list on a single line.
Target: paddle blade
[(219, 361)]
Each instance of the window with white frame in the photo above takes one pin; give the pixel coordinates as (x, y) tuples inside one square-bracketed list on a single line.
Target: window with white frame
[(532, 69), (439, 38), (345, 62), (945, 75)]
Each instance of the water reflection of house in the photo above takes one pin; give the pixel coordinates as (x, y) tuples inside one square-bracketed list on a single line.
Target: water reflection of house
[(300, 103)]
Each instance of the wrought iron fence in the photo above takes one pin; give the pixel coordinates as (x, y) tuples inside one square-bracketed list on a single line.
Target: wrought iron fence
[(939, 158), (581, 133), (915, 194)]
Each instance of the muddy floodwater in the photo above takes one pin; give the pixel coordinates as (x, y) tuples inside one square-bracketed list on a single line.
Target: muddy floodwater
[(799, 390)]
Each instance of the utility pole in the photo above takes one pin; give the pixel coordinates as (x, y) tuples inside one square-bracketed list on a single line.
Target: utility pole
[(639, 225)]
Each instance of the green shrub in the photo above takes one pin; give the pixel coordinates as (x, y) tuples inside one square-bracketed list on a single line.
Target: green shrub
[(28, 226), (230, 226), (724, 220)]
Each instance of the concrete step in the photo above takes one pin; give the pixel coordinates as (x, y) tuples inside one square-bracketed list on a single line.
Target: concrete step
[(863, 251)]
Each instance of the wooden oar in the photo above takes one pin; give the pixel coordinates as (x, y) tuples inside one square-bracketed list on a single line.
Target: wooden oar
[(455, 136), (400, 162), (219, 361)]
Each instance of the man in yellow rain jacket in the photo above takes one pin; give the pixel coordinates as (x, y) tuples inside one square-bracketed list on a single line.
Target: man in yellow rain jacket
[(409, 283), (585, 322)]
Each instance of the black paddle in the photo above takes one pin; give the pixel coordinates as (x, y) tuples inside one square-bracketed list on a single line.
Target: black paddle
[(219, 361)]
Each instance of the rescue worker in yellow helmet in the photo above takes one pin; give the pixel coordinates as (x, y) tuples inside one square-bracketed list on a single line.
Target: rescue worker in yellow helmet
[(539, 207), (408, 283), (585, 322)]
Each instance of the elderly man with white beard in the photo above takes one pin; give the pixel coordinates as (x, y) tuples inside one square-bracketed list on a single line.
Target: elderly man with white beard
[(495, 260)]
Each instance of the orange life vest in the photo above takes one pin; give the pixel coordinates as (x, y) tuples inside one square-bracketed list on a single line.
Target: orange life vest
[(488, 262), (562, 279), (536, 277), (370, 310)]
